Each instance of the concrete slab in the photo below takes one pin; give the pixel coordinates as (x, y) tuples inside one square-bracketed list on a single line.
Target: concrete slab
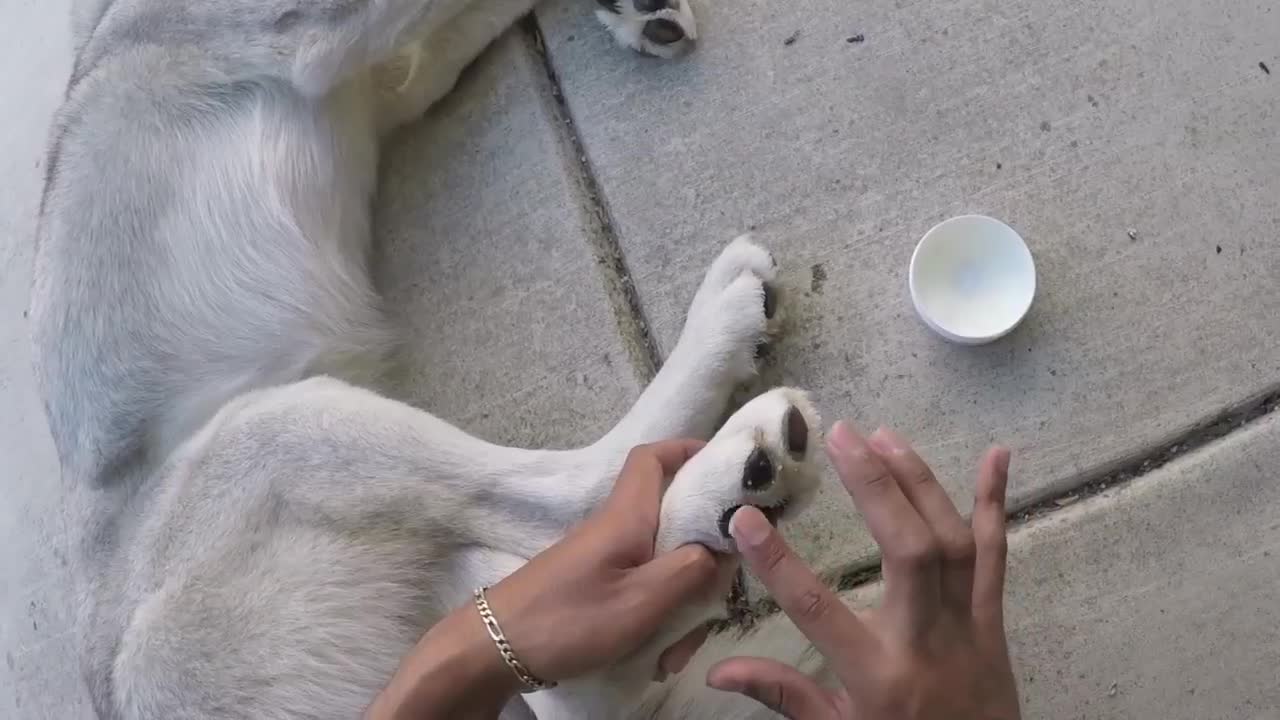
[(1157, 599), (487, 258), (39, 677), (1074, 122)]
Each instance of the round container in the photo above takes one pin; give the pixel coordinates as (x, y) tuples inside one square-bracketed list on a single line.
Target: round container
[(972, 279)]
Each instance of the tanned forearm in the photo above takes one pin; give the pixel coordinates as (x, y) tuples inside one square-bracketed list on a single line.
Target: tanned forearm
[(454, 673)]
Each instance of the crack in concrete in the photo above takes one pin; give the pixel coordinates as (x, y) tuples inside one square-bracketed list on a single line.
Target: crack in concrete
[(1201, 435), (743, 614), (628, 312)]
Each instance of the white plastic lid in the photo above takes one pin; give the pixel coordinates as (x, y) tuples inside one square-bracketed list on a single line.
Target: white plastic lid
[(972, 279)]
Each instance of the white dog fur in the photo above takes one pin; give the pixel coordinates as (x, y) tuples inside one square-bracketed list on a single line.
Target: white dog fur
[(267, 536)]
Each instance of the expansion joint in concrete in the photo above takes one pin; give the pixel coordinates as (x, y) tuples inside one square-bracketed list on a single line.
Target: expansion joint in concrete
[(627, 310)]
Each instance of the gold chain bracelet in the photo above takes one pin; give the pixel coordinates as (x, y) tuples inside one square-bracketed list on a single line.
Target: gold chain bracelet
[(504, 648)]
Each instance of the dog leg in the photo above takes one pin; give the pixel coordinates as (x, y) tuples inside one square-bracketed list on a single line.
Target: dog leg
[(366, 33), (303, 540), (733, 313), (322, 526), (425, 70), (763, 456), (316, 499)]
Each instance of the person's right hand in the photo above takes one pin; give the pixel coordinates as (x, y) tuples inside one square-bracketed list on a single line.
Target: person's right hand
[(936, 648)]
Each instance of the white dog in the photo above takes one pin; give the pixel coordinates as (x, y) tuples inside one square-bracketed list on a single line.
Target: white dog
[(266, 538)]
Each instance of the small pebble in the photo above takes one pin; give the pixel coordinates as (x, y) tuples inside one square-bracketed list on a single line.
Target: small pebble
[(791, 39), (1111, 691), (1264, 67), (1133, 234), (856, 38)]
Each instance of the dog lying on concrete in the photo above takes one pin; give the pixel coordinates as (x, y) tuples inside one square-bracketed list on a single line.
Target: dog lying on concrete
[(267, 535)]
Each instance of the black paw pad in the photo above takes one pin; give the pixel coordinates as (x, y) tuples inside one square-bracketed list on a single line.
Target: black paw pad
[(725, 517), (797, 432), (770, 301), (663, 31), (649, 6), (758, 472), (771, 513)]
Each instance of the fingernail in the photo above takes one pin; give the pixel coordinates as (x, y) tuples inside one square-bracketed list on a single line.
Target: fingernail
[(887, 441), (1002, 459), (749, 527), (842, 437)]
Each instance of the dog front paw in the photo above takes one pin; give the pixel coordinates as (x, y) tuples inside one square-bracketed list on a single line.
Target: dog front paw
[(734, 314), (763, 456), (662, 28)]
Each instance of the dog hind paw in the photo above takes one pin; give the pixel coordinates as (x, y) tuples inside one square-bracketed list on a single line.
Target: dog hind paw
[(661, 28)]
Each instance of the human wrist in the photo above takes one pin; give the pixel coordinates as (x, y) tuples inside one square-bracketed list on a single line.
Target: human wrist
[(453, 672)]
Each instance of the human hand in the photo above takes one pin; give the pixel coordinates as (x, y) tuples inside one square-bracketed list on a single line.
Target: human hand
[(597, 595), (935, 649), (584, 603)]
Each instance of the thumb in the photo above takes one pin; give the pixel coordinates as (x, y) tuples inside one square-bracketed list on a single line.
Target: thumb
[(781, 688), (671, 581)]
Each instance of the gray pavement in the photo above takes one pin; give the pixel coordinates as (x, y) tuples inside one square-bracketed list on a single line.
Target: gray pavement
[(38, 678), (1158, 599), (488, 260), (1074, 123)]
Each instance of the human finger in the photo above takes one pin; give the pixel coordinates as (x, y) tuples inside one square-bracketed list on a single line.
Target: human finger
[(779, 687), (815, 610), (927, 496), (646, 473), (989, 536), (912, 581), (660, 587)]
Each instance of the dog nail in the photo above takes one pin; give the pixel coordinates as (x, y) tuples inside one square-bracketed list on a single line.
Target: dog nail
[(770, 301)]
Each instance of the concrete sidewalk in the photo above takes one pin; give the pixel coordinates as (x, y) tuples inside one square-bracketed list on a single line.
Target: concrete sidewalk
[(541, 234)]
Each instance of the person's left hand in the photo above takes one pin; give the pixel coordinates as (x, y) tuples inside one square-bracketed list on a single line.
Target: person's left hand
[(585, 603), (599, 594)]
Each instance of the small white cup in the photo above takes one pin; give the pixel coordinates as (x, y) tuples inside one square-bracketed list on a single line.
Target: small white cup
[(972, 279)]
